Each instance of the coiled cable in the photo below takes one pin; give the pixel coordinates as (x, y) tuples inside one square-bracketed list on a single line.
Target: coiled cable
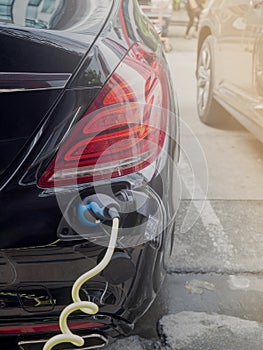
[(86, 307)]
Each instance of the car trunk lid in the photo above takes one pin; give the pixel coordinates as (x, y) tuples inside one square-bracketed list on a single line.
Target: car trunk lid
[(42, 45)]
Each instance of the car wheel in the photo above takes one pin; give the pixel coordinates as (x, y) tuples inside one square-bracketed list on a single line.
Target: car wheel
[(209, 110)]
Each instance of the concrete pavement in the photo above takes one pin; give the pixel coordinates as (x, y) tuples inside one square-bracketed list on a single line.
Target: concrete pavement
[(213, 293)]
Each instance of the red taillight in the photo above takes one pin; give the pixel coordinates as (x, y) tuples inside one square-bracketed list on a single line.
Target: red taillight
[(123, 130)]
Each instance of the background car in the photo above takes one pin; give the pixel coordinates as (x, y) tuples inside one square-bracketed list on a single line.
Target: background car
[(87, 109), (229, 65)]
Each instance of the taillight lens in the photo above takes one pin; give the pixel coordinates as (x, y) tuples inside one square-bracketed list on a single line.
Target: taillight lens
[(124, 129)]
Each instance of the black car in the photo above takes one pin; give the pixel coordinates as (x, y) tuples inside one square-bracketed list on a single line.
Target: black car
[(229, 64), (89, 127)]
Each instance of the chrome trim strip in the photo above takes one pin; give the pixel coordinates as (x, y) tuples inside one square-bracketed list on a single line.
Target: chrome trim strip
[(42, 341), (19, 82)]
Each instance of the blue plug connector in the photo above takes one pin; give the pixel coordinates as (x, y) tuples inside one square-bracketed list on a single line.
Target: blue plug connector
[(96, 209), (90, 214)]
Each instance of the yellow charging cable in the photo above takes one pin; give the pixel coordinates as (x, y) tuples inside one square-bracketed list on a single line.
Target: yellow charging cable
[(86, 307)]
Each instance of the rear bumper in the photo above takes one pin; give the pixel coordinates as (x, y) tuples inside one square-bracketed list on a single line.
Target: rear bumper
[(45, 275), (133, 298)]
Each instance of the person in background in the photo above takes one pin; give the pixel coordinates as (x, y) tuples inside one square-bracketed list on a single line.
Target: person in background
[(159, 11), (176, 5), (194, 9)]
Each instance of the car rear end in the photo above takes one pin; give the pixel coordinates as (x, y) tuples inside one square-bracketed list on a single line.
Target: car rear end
[(87, 108)]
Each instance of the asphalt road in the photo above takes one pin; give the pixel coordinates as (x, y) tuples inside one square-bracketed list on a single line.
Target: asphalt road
[(217, 264)]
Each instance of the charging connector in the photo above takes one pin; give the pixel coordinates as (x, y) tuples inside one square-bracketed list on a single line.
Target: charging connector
[(98, 207)]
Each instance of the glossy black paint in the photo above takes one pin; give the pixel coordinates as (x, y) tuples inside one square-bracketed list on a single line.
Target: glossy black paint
[(38, 51), (33, 262)]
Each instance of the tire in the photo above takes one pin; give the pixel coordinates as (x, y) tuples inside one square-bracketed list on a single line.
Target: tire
[(209, 110)]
